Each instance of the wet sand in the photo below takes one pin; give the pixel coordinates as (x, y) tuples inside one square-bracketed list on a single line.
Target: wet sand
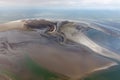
[(73, 61)]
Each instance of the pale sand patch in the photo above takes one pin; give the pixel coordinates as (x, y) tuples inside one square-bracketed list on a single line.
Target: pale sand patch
[(12, 25), (105, 67)]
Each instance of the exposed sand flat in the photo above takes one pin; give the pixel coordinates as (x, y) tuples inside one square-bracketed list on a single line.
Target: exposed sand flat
[(79, 36), (73, 62), (12, 25)]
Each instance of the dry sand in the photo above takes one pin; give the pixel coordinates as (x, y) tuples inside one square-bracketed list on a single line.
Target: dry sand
[(12, 25)]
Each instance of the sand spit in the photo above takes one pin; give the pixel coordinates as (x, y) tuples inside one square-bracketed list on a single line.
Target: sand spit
[(106, 67), (12, 25), (21, 38)]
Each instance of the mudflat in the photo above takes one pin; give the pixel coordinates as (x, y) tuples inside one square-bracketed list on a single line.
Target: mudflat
[(28, 52)]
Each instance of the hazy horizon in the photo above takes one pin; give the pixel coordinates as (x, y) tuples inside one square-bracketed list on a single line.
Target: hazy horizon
[(67, 4)]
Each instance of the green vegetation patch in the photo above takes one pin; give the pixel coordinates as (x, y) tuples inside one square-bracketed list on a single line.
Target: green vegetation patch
[(39, 71), (10, 75)]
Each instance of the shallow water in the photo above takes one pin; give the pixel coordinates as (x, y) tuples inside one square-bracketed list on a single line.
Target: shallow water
[(47, 58), (110, 74)]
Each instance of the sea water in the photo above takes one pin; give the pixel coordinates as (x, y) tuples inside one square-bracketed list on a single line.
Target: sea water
[(106, 17)]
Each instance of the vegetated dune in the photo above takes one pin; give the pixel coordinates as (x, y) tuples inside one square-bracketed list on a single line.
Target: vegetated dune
[(74, 57)]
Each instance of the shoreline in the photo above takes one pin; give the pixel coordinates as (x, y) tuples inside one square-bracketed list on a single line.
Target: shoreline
[(106, 67), (100, 70)]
